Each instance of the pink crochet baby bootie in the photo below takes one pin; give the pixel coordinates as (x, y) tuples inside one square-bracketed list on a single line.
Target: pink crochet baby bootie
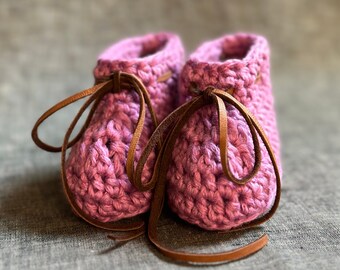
[(130, 74), (218, 163), (96, 166), (198, 189)]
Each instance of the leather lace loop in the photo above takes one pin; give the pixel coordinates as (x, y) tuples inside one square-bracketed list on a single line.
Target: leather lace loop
[(173, 124), (113, 83)]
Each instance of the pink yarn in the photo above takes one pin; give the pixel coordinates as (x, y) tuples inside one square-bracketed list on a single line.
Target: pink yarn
[(95, 169), (198, 191)]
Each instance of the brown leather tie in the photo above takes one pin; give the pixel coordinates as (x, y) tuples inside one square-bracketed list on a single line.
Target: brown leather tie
[(173, 125), (113, 83)]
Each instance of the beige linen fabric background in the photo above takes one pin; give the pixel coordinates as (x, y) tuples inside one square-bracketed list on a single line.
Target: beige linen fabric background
[(47, 52)]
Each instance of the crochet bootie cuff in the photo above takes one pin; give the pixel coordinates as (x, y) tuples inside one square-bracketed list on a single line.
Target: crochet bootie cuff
[(149, 57), (232, 61)]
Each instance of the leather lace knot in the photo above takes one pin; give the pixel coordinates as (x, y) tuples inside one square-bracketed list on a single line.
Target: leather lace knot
[(115, 77), (207, 92)]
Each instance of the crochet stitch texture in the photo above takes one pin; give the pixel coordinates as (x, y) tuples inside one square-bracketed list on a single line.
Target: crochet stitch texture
[(95, 169), (198, 191)]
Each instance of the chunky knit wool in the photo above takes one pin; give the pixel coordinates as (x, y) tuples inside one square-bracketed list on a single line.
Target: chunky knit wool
[(198, 191), (95, 170)]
